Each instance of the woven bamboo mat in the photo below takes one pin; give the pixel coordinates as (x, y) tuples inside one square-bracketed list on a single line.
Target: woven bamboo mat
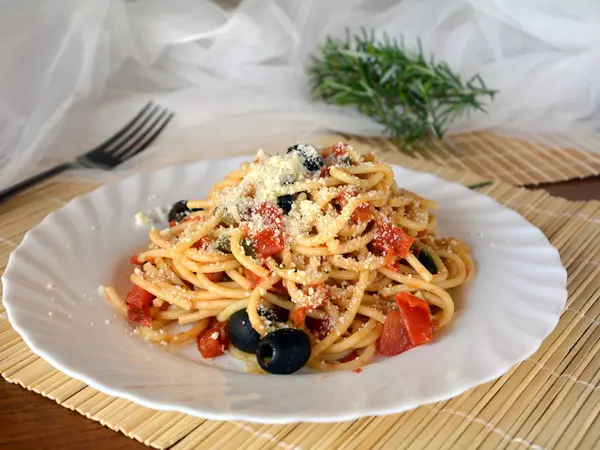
[(551, 400), (514, 160)]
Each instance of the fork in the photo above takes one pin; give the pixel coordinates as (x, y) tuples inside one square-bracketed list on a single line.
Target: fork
[(130, 140)]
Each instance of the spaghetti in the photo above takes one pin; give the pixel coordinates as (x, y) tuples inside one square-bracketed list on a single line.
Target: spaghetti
[(312, 257)]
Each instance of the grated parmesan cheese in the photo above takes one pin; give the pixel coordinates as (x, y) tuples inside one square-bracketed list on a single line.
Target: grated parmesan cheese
[(141, 219)]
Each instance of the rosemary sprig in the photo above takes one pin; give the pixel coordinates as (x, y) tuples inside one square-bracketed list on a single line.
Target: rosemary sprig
[(413, 98), (480, 185)]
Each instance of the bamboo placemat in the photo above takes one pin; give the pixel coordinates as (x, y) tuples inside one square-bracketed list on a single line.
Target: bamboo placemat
[(514, 160), (551, 400)]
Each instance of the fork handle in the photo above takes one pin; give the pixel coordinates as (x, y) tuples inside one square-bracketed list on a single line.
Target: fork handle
[(8, 192)]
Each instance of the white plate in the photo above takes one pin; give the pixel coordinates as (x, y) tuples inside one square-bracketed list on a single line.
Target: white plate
[(50, 293)]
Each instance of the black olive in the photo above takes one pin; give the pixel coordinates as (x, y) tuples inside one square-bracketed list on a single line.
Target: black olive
[(311, 158), (248, 246), (273, 313), (283, 351), (180, 211), (223, 244), (240, 332), (426, 259), (285, 202)]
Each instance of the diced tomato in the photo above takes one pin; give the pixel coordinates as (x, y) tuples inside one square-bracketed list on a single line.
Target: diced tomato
[(417, 320), (203, 242), (349, 357), (298, 315), (390, 261), (211, 345), (134, 260), (172, 223), (279, 288), (357, 370), (269, 240), (319, 295), (394, 338), (407, 328), (140, 315), (324, 172), (215, 277), (340, 149), (164, 306), (320, 328), (193, 219), (139, 297), (364, 211), (252, 277), (390, 239), (422, 233)]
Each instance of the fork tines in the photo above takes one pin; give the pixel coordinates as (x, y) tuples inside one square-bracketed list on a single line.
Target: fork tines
[(130, 140)]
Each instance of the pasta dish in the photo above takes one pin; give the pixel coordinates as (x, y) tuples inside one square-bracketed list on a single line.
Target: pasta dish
[(308, 258)]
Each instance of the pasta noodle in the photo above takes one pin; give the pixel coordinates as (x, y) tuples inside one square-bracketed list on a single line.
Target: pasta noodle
[(323, 240)]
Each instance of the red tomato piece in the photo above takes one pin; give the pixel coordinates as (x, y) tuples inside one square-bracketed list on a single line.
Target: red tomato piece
[(252, 277), (422, 233), (417, 321), (164, 306), (202, 242), (215, 277), (394, 338), (269, 240), (340, 149), (213, 341), (320, 328), (140, 315), (324, 172), (390, 239), (364, 211), (349, 357), (298, 315), (279, 288), (139, 297), (172, 223), (193, 219), (135, 260)]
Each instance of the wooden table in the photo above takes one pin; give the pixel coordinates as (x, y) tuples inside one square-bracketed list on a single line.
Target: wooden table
[(29, 421)]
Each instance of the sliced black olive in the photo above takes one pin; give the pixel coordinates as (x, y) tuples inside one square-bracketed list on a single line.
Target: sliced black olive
[(426, 259), (273, 313), (223, 244), (180, 211), (248, 246), (240, 332), (285, 202), (311, 158), (283, 351)]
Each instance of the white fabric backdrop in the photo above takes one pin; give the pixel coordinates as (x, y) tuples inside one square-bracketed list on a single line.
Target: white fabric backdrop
[(74, 71)]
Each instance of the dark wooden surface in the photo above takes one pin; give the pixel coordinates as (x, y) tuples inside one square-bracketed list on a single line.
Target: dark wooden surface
[(30, 421)]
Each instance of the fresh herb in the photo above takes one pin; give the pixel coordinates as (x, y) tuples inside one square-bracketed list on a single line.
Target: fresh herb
[(223, 244), (248, 246), (415, 99), (480, 185)]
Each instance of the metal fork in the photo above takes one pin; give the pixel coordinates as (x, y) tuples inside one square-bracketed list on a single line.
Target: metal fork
[(130, 140)]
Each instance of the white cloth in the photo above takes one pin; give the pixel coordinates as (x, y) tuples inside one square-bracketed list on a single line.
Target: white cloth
[(74, 71)]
